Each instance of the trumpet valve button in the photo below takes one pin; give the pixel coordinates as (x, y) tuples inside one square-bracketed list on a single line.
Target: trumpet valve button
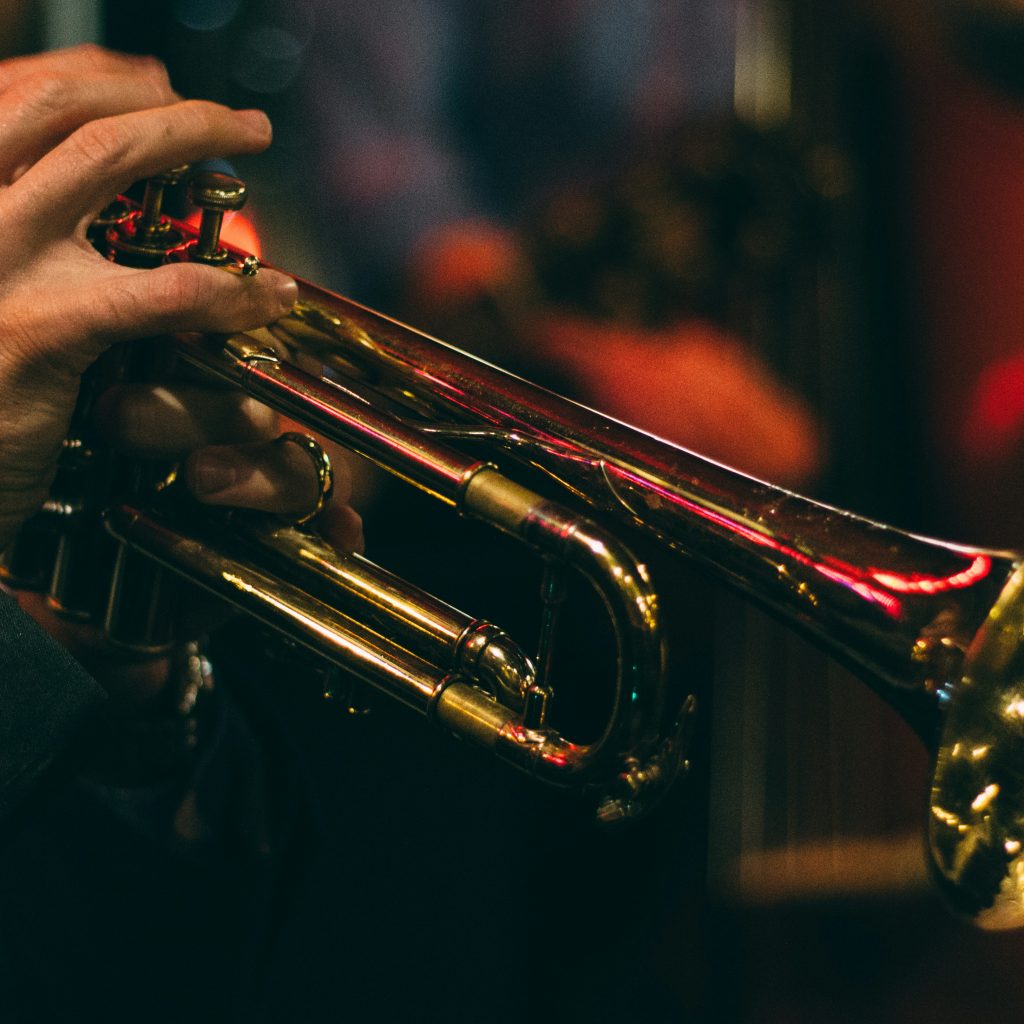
[(151, 218), (215, 194), (142, 238)]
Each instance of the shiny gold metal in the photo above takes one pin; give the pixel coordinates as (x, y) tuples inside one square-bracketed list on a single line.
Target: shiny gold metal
[(321, 465), (113, 213), (145, 236), (151, 219), (215, 194), (934, 628)]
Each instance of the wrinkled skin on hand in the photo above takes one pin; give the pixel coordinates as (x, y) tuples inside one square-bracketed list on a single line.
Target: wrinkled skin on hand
[(76, 128)]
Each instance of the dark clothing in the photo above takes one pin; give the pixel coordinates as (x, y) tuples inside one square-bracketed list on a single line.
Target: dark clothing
[(403, 877), (113, 907), (46, 698)]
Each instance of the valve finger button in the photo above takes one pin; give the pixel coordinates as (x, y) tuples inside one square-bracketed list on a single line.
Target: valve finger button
[(215, 194), (151, 219), (144, 238)]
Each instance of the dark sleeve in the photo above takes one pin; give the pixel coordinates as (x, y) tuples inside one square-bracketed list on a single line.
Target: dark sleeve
[(46, 698)]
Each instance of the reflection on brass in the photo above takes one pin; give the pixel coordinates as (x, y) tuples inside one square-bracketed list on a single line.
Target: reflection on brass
[(215, 194), (321, 466), (934, 628), (144, 237), (976, 826), (911, 615)]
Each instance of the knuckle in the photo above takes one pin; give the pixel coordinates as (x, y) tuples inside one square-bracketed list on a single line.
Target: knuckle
[(202, 112), (156, 75), (118, 310), (42, 95), (111, 311), (192, 297), (95, 56), (158, 71), (152, 65), (156, 92), (106, 143), (89, 52)]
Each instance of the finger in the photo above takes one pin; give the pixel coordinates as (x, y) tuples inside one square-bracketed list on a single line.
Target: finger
[(104, 157), (267, 476), (342, 526), (85, 59), (166, 421), (116, 304), (38, 111)]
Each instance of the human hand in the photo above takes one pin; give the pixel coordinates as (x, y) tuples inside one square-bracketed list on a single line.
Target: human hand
[(231, 453), (76, 128)]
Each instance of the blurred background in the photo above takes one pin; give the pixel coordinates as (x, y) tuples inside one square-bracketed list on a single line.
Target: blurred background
[(785, 234)]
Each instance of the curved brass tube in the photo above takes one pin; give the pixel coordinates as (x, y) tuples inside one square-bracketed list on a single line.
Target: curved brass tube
[(935, 628), (465, 674)]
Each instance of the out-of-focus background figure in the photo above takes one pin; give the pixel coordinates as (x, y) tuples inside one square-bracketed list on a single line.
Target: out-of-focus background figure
[(783, 235)]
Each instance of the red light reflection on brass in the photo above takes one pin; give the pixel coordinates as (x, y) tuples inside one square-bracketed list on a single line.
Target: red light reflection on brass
[(559, 760), (887, 601), (978, 569), (845, 575), (436, 383)]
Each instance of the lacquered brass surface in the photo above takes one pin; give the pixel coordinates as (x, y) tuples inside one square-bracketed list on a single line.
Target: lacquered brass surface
[(935, 628), (976, 824), (902, 610), (143, 237), (215, 194)]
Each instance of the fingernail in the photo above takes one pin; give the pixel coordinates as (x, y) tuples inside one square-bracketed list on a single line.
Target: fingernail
[(256, 120), (287, 291), (211, 474)]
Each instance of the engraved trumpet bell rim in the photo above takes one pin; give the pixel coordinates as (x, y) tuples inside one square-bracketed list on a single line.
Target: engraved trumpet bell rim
[(976, 806)]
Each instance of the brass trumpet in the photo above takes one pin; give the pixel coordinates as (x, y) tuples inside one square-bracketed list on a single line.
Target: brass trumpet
[(934, 628)]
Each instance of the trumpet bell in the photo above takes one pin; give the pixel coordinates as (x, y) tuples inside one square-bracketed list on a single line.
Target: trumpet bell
[(976, 813), (934, 628)]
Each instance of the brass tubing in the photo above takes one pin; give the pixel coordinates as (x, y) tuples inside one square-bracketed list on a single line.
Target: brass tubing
[(208, 555), (203, 555), (936, 628), (392, 606), (917, 619), (359, 582), (866, 593), (329, 408), (432, 629), (635, 721)]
